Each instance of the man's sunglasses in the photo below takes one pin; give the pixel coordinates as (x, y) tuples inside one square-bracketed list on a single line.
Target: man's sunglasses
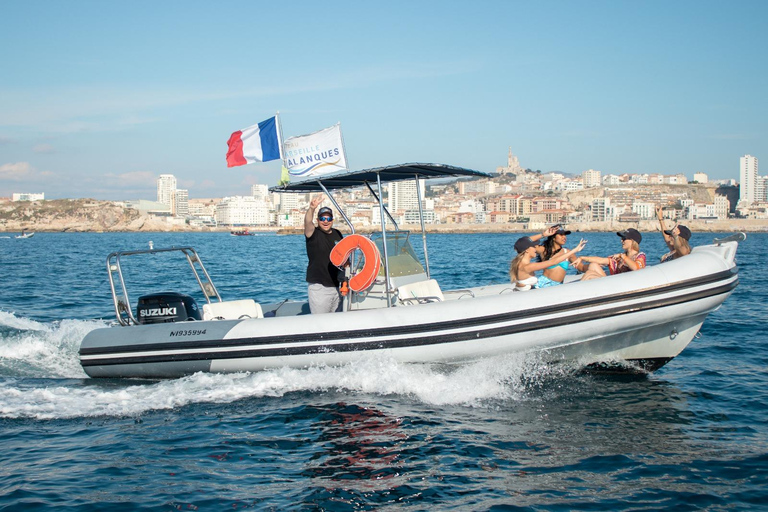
[(325, 219)]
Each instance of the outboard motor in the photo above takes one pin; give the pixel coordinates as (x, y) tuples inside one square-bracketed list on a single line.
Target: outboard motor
[(164, 307)]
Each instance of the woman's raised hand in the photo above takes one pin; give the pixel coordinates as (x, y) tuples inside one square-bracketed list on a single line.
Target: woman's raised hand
[(551, 230), (581, 245)]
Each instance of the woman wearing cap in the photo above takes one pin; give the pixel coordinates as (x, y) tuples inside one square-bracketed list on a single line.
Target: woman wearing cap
[(552, 246), (676, 239), (521, 270), (629, 260)]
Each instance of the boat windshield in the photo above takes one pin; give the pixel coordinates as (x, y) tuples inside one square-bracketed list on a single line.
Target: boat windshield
[(401, 257)]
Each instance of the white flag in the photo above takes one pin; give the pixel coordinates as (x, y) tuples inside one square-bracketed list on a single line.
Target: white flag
[(315, 154)]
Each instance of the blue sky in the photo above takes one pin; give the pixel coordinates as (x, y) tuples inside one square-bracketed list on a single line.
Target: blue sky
[(98, 98)]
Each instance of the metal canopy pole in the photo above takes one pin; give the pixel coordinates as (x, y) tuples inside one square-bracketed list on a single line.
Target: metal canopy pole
[(338, 208), (423, 229), (384, 242), (380, 202)]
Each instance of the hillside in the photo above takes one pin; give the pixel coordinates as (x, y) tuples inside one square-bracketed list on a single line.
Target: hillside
[(74, 215)]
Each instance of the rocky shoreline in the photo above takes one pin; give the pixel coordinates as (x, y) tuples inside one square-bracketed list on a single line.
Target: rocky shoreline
[(91, 216)]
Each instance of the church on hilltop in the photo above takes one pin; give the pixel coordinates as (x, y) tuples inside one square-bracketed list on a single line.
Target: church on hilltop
[(513, 165)]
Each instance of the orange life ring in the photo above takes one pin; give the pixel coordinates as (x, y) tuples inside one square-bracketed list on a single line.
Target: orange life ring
[(341, 252)]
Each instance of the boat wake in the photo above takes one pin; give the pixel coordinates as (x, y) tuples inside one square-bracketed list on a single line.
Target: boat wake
[(41, 378), (42, 350)]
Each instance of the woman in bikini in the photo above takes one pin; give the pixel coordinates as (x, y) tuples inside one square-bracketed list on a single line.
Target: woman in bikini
[(521, 270), (553, 245), (629, 260)]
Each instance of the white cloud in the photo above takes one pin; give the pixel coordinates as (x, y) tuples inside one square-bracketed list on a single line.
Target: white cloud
[(16, 171), (44, 149)]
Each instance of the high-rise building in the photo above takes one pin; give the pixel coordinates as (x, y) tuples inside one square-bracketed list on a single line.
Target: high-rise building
[(403, 196), (288, 202), (166, 191), (260, 191), (182, 202), (748, 179), (761, 189)]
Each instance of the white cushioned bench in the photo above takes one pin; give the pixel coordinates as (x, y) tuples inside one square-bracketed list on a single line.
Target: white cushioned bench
[(420, 292), (232, 310)]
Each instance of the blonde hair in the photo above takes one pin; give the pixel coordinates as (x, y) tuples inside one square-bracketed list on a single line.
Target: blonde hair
[(514, 265), (634, 245)]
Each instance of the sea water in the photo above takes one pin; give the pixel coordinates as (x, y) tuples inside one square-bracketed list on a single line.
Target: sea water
[(505, 433)]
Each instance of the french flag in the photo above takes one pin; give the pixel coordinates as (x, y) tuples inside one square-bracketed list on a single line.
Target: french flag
[(257, 143)]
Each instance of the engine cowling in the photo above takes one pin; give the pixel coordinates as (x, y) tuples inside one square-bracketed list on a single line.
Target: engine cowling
[(166, 307)]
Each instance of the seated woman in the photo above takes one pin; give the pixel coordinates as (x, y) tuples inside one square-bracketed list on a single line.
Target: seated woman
[(676, 239), (555, 274), (627, 261), (521, 270)]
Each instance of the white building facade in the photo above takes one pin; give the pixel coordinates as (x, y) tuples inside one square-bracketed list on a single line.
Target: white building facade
[(27, 197), (748, 179), (166, 191), (591, 178), (700, 177), (242, 211), (260, 191), (403, 195), (181, 201)]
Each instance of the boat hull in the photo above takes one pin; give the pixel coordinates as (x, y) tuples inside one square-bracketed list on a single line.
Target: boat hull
[(647, 317)]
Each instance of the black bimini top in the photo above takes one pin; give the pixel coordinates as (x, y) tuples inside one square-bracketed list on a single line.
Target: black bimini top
[(389, 173)]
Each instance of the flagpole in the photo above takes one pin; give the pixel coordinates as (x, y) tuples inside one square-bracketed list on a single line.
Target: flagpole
[(343, 147), (280, 129)]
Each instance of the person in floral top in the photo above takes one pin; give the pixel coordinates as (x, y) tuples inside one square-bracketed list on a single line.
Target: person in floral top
[(629, 260)]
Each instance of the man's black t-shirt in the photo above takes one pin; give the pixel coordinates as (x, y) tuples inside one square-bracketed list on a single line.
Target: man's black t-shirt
[(320, 269)]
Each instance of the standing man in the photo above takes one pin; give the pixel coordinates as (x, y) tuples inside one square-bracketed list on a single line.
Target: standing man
[(322, 275)]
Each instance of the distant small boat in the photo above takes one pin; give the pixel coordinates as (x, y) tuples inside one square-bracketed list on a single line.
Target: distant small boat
[(25, 235), (243, 232)]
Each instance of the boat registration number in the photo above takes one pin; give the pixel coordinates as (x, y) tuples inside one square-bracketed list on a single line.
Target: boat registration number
[(190, 332)]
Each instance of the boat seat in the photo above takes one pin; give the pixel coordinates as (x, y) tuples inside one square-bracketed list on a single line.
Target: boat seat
[(419, 292), (232, 310)]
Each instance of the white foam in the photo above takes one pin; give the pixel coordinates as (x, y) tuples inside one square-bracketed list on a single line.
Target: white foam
[(35, 349), (11, 320), (477, 385), (50, 352)]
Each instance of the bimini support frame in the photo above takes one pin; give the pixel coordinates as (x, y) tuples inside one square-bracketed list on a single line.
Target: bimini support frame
[(123, 303)]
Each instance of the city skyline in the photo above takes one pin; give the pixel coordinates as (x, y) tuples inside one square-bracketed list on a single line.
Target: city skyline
[(99, 102)]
